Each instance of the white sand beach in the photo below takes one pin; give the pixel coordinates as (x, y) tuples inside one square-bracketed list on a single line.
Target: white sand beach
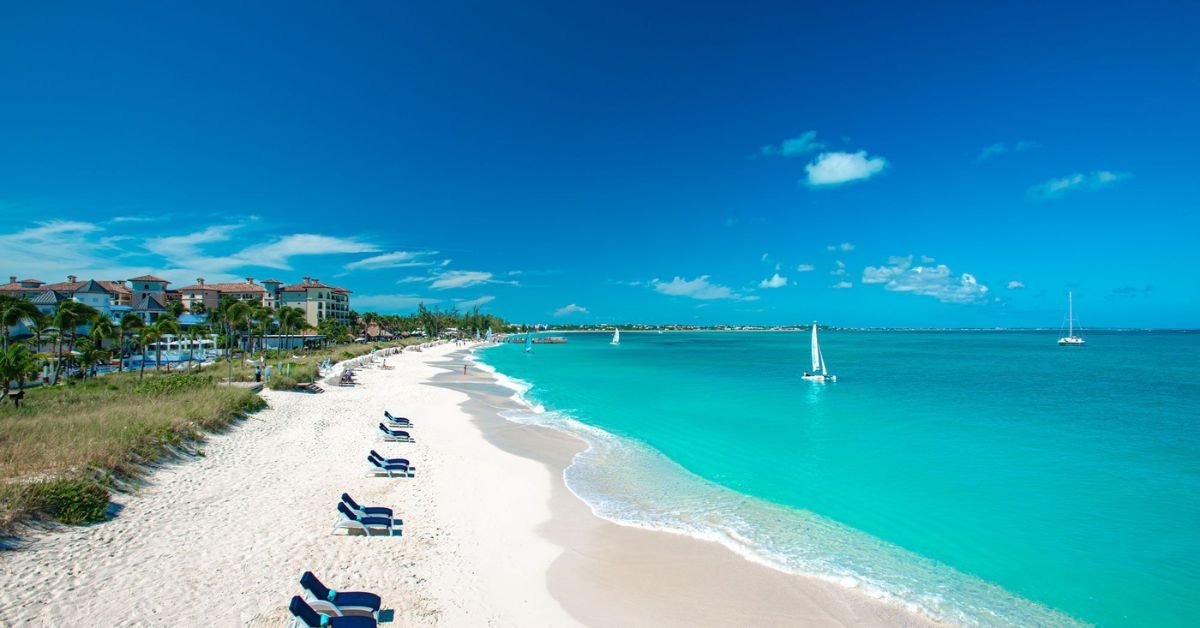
[(492, 537)]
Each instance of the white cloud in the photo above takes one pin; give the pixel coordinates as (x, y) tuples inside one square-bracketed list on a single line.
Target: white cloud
[(999, 148), (470, 303), (732, 222), (395, 259), (1055, 188), (899, 275), (842, 285), (391, 302), (838, 168), (1015, 285), (845, 246), (805, 268), (698, 288), (569, 309), (775, 281), (459, 279), (840, 270), (800, 145), (925, 259), (277, 254), (763, 258)]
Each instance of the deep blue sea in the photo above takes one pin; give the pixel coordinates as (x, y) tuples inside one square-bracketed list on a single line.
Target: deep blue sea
[(981, 477)]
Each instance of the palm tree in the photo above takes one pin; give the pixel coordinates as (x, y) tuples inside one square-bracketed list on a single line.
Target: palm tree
[(13, 312), (165, 326), (146, 336), (68, 318), (40, 326), (130, 323), (175, 308), (16, 363), (236, 313), (194, 333)]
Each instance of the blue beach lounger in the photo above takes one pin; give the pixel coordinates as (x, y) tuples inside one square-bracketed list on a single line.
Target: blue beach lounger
[(391, 470), (349, 521), (368, 511), (304, 615), (375, 454), (398, 420), (396, 436), (338, 603)]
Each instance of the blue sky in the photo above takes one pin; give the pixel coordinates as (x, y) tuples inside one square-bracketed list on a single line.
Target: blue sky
[(607, 162)]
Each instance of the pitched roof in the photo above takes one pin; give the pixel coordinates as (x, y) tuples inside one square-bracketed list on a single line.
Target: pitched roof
[(72, 286), (225, 287), (49, 297), (34, 281), (149, 304), (150, 278), (14, 287), (296, 287), (271, 281), (92, 287)]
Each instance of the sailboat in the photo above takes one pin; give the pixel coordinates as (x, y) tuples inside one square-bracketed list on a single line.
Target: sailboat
[(488, 336), (1071, 340), (528, 343), (616, 336), (819, 372)]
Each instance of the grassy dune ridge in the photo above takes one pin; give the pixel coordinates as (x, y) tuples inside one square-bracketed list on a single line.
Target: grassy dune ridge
[(68, 446)]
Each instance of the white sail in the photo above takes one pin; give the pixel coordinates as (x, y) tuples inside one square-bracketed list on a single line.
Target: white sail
[(616, 336), (817, 363), (528, 342)]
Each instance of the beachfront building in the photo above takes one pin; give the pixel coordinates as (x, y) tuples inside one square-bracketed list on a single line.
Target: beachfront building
[(94, 295), (148, 286), (120, 293), (23, 289), (317, 300), (272, 287), (211, 294)]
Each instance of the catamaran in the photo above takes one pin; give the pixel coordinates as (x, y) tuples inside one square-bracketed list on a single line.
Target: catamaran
[(1071, 340), (819, 372), (616, 336), (528, 343)]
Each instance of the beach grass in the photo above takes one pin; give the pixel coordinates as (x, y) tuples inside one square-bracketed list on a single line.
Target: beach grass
[(65, 447), (68, 446)]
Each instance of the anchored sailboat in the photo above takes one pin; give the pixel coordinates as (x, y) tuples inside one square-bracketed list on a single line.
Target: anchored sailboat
[(528, 343), (1071, 340), (616, 336), (819, 372)]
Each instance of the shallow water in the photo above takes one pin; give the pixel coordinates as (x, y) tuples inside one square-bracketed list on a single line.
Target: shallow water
[(981, 477)]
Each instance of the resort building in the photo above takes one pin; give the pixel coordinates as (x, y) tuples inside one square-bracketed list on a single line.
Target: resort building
[(148, 296), (318, 301), (210, 294)]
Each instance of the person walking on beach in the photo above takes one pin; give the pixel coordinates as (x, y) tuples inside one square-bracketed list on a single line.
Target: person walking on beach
[(258, 374), (464, 368)]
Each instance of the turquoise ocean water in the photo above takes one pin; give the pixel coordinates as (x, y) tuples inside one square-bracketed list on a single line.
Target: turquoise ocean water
[(984, 478)]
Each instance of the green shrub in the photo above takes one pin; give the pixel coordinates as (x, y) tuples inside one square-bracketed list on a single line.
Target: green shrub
[(282, 382), (69, 500)]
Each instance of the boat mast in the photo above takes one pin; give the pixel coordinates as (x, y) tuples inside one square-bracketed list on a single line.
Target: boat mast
[(1070, 314)]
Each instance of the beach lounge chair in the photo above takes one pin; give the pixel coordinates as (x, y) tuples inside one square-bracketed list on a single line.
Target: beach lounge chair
[(390, 469), (349, 520), (368, 511), (398, 421), (326, 600), (375, 454), (304, 615), (395, 436)]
